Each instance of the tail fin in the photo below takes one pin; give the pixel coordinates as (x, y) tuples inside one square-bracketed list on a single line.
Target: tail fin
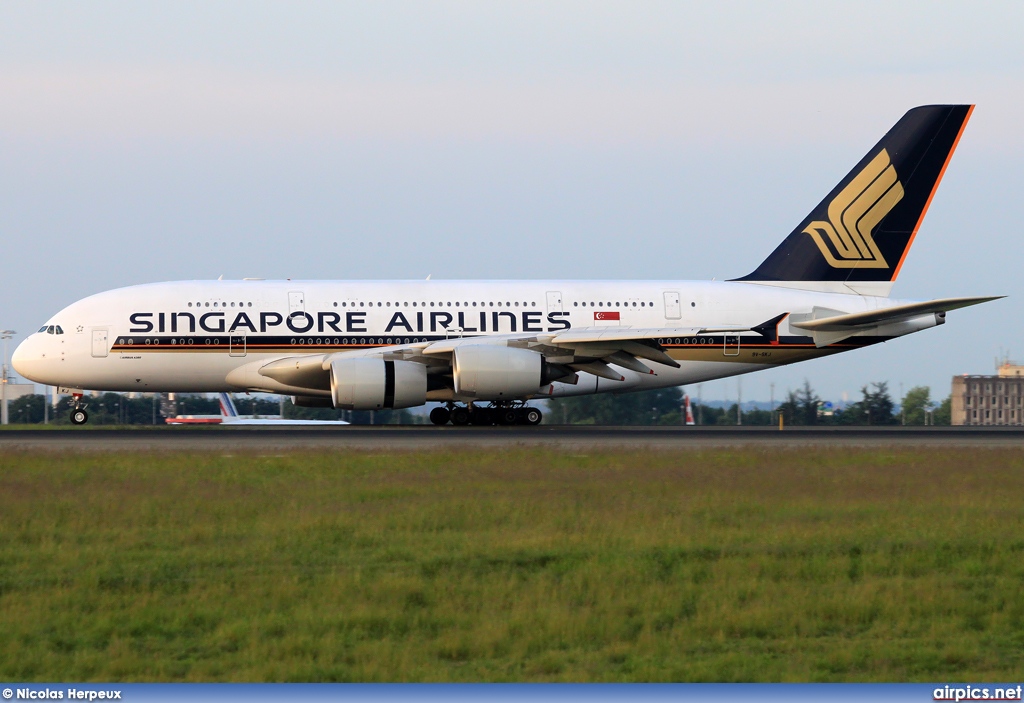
[(856, 239), (227, 406)]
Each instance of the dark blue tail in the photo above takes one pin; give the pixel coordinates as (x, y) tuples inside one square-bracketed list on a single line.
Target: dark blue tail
[(863, 229)]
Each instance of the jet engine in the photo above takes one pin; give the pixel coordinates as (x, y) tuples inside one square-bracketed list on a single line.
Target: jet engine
[(373, 384), (490, 372)]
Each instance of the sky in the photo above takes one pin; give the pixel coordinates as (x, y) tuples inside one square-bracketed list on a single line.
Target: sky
[(155, 141)]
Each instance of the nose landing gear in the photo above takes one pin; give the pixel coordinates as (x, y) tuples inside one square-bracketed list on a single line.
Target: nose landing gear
[(78, 414)]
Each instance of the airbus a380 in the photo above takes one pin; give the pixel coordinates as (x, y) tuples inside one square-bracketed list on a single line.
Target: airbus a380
[(484, 349)]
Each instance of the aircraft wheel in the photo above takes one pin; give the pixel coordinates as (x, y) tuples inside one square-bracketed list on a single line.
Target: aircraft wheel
[(509, 417), (79, 417), (482, 416), (460, 416), (532, 416), (440, 416)]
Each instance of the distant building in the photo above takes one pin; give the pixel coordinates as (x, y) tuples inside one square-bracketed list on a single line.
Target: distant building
[(989, 400), (1008, 369)]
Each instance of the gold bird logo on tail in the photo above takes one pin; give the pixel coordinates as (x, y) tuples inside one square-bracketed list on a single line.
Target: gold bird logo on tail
[(846, 240)]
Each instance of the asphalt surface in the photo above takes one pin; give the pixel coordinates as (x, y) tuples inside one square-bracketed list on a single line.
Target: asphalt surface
[(416, 438)]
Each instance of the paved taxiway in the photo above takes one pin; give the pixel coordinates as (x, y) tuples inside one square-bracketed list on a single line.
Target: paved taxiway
[(416, 438)]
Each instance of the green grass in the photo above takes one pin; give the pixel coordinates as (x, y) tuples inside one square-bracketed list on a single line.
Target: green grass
[(718, 565)]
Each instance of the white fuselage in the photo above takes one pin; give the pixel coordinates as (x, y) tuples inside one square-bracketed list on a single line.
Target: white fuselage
[(201, 336)]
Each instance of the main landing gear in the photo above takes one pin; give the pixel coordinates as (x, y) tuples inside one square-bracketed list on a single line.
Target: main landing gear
[(78, 414), (495, 414)]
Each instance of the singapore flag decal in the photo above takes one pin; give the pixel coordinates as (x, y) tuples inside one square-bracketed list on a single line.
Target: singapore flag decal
[(606, 315)]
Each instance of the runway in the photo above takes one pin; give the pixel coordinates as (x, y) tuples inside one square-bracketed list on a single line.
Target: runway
[(421, 438)]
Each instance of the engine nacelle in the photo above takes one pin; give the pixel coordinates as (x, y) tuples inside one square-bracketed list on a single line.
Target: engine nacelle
[(374, 384), (490, 372)]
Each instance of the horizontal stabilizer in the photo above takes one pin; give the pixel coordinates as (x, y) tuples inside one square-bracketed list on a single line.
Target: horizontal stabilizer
[(897, 313)]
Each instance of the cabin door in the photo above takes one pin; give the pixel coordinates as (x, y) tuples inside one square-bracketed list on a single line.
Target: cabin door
[(673, 310), (100, 346)]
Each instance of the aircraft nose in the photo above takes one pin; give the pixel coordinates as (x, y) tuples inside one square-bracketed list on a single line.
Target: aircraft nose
[(25, 359), (18, 360)]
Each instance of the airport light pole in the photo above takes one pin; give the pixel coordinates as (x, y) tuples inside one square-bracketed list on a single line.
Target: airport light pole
[(4, 419)]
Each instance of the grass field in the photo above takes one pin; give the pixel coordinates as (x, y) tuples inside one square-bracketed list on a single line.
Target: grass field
[(719, 565)]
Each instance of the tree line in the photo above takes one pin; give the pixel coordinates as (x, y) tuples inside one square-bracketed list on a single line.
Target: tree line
[(663, 406), (876, 407), (800, 407)]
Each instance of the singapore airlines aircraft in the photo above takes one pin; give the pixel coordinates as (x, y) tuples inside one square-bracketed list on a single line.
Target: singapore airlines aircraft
[(229, 416), (486, 348)]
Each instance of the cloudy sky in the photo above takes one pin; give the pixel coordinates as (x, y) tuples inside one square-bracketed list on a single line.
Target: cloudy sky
[(156, 141)]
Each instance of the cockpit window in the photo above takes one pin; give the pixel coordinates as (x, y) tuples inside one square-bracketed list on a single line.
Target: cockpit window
[(49, 330), (58, 329), (42, 329)]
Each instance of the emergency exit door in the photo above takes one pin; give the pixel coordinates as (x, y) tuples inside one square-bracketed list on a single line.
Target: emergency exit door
[(554, 301), (673, 310)]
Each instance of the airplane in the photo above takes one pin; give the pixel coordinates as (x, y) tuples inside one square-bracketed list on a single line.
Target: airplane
[(229, 416), (484, 349)]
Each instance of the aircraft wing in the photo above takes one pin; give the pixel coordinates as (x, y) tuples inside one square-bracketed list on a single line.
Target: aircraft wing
[(622, 346), (588, 349), (591, 350)]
